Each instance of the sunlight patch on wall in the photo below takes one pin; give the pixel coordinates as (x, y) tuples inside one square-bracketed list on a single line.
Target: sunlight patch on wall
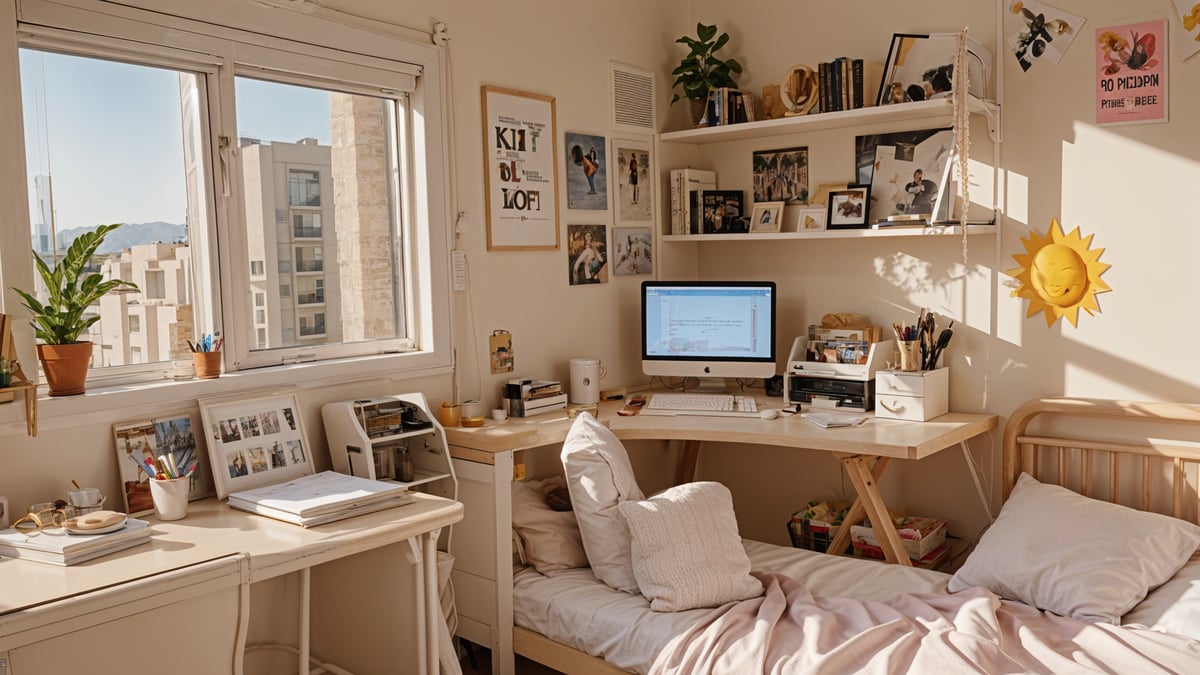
[(1016, 202)]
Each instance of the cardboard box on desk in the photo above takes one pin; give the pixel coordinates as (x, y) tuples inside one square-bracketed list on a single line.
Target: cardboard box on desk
[(917, 396)]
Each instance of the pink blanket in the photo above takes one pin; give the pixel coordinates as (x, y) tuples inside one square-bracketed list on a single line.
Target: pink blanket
[(789, 630)]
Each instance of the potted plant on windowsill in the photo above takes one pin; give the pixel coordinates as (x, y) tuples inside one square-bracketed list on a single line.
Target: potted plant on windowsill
[(701, 71), (59, 321)]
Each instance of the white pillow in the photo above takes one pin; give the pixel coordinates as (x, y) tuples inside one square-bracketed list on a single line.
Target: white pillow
[(549, 538), (1173, 607), (599, 476), (1075, 556), (686, 548)]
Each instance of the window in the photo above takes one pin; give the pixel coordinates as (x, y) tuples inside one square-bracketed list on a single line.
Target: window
[(307, 108), (135, 323)]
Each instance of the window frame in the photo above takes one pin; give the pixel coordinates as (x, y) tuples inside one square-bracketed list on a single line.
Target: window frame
[(275, 46)]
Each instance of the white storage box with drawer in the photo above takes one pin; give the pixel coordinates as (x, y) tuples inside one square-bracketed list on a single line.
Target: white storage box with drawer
[(916, 396)]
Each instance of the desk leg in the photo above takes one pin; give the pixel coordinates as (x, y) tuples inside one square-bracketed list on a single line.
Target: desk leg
[(686, 471), (865, 484), (856, 512), (305, 620), (433, 608)]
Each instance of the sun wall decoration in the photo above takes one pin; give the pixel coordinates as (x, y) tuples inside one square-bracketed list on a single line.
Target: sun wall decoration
[(1059, 274)]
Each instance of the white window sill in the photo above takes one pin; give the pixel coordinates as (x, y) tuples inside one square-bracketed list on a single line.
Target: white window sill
[(116, 403)]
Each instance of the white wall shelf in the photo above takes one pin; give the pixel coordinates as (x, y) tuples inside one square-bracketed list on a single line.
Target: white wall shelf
[(925, 114), (937, 231)]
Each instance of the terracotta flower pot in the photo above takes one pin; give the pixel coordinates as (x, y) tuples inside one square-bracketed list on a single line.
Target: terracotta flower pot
[(66, 367)]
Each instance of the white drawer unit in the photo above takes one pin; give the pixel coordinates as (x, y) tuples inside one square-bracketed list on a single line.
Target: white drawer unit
[(916, 396)]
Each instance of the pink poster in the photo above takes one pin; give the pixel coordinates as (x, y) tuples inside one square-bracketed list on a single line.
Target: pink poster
[(1131, 73)]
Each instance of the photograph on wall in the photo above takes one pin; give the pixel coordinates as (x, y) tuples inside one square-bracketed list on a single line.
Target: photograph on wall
[(520, 154), (635, 187), (1187, 28), (633, 247), (254, 442), (1131, 73), (781, 175), (171, 438), (910, 179), (587, 179), (501, 351), (1035, 31), (587, 254)]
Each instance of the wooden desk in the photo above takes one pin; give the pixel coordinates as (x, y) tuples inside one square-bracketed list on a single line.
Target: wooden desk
[(38, 597), (484, 455)]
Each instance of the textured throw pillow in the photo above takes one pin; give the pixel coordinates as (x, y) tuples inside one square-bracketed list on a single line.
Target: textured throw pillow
[(599, 476), (1079, 557), (686, 548), (549, 538)]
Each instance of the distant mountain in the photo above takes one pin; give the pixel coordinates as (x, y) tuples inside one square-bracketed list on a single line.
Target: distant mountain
[(129, 234)]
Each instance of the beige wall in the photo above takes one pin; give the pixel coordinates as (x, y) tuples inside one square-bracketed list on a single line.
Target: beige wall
[(1128, 186)]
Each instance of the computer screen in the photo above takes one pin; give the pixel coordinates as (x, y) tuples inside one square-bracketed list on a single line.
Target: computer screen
[(711, 329)]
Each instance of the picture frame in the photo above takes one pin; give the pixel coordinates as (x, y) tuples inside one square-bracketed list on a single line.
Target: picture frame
[(254, 442), (766, 217), (173, 434), (781, 175), (521, 178), (920, 67), (587, 171), (633, 194), (909, 174), (633, 250), (847, 209), (587, 254), (801, 218)]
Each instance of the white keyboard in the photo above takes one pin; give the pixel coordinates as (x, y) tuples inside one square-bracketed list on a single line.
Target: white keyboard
[(702, 404)]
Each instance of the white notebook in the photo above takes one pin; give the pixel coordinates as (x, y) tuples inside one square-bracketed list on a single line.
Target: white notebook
[(318, 494)]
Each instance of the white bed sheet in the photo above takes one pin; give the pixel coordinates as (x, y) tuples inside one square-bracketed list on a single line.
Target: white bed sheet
[(576, 609)]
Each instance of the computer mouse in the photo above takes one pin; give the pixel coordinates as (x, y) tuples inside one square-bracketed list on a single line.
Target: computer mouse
[(769, 414)]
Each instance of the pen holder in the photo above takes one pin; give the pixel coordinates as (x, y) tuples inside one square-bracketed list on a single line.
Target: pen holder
[(208, 365), (910, 355), (448, 414), (170, 497)]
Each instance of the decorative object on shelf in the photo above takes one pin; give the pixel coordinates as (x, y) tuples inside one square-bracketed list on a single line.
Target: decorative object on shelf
[(920, 67), (798, 90), (1059, 274), (633, 163), (587, 254), (63, 318), (767, 217), (254, 442), (520, 151), (171, 437), (847, 209), (587, 173), (633, 250), (908, 176), (1035, 31), (772, 102), (1131, 73), (781, 175), (701, 71), (799, 218)]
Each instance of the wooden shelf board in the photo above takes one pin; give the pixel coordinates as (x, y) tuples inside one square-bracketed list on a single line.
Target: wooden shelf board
[(939, 231)]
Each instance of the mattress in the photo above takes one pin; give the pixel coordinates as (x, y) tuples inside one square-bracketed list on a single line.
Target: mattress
[(574, 608)]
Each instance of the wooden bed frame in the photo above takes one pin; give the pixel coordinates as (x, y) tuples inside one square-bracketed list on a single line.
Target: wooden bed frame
[(1150, 473)]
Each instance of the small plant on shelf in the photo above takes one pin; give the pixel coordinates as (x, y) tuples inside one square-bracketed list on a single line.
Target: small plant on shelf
[(701, 71)]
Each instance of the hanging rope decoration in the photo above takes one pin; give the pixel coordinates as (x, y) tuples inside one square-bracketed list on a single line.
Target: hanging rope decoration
[(962, 134)]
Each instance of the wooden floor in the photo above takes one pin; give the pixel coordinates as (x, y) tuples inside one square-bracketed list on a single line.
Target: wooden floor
[(483, 664)]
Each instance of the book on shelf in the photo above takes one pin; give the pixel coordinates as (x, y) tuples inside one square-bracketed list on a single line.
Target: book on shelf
[(321, 498), (683, 183), (57, 547)]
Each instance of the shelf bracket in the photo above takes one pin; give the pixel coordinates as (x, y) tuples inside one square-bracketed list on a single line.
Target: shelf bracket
[(991, 111)]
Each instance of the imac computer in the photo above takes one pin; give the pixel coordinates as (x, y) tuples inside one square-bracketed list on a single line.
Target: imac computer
[(709, 330)]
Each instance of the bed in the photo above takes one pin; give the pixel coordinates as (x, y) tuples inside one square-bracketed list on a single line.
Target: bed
[(1134, 609)]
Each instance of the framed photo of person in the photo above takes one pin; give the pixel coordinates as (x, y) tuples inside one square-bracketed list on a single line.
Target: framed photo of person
[(171, 437), (587, 171), (766, 217), (847, 208), (634, 192), (520, 156), (254, 442)]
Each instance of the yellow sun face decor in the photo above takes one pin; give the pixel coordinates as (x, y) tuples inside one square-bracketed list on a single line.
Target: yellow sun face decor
[(1059, 274)]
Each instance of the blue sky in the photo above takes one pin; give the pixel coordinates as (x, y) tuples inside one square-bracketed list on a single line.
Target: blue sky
[(110, 134)]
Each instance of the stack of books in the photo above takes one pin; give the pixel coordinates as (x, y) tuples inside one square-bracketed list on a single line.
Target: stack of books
[(727, 105), (321, 498), (58, 547), (526, 397), (684, 183), (841, 86)]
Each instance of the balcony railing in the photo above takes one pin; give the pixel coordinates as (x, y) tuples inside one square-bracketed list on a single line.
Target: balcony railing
[(310, 265), (315, 329), (300, 232), (310, 298)]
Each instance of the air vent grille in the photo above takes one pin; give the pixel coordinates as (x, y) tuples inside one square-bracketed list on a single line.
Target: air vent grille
[(633, 97)]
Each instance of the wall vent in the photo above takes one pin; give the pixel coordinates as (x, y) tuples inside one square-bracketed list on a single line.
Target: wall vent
[(633, 97)]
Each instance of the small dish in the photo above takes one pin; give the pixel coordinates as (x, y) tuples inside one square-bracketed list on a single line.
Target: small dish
[(67, 527)]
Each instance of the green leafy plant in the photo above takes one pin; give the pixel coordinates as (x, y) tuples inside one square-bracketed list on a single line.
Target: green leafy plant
[(63, 318), (701, 70)]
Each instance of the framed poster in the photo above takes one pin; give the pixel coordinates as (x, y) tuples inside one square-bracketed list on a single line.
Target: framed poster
[(1131, 73), (171, 435), (781, 175), (587, 254), (587, 173), (635, 187), (520, 153), (253, 442), (633, 250)]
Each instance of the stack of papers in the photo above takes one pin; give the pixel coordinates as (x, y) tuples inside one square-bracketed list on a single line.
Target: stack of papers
[(321, 498), (830, 420), (55, 546)]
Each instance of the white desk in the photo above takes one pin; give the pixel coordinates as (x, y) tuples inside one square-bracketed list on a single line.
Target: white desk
[(484, 461), (213, 548)]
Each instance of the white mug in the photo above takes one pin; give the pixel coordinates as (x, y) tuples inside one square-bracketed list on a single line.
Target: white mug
[(499, 414), (85, 497)]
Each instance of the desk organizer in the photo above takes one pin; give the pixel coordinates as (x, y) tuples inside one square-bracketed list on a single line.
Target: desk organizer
[(917, 396)]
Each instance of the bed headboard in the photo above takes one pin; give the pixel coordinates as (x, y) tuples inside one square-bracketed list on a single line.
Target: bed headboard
[(1144, 455)]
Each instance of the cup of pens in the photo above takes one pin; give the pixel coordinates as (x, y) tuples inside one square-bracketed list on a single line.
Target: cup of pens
[(206, 354)]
